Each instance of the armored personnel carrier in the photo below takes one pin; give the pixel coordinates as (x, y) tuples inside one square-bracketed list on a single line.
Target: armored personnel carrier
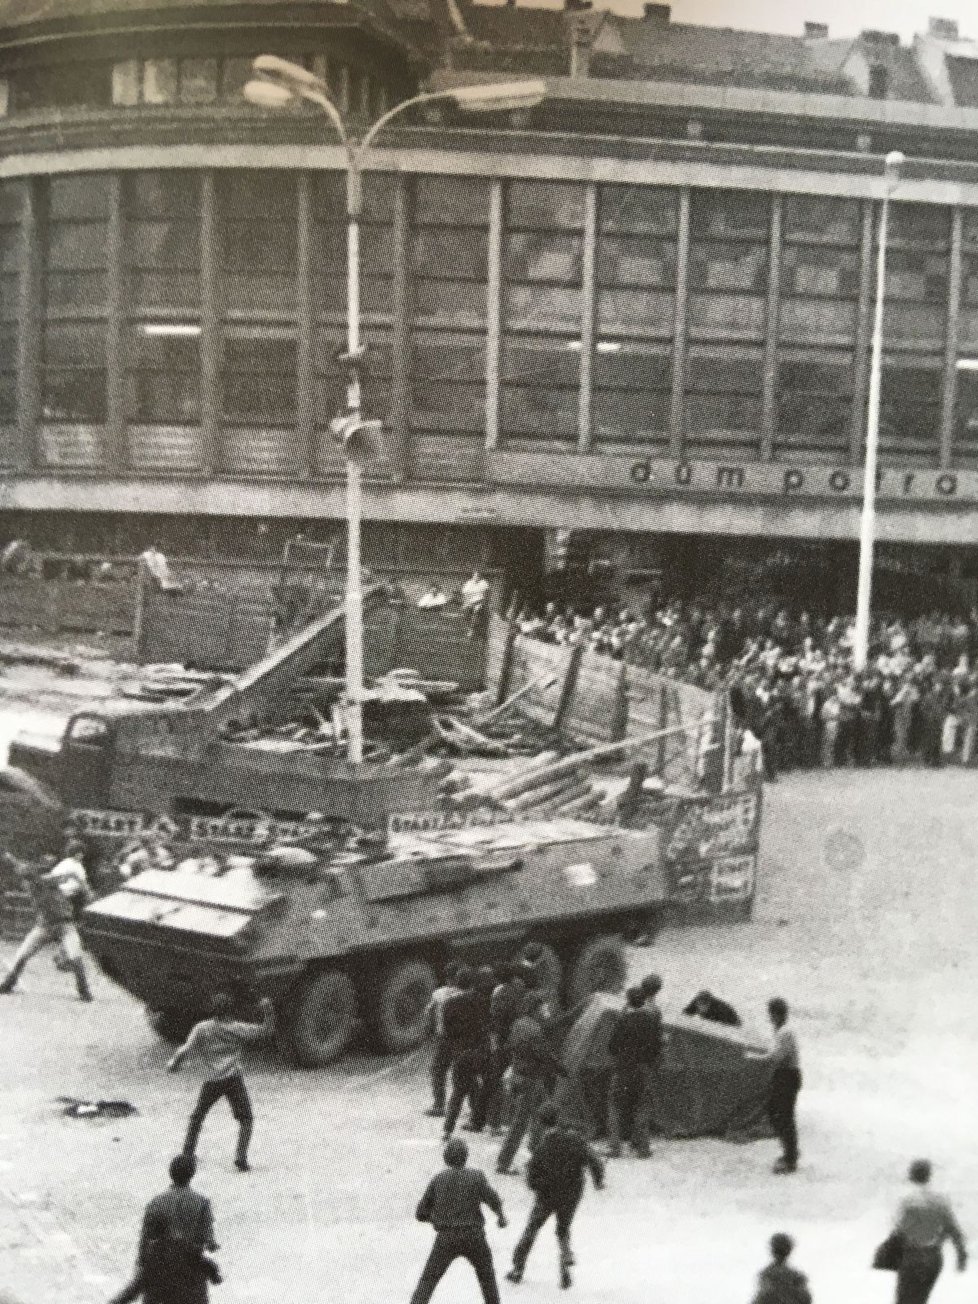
[(356, 934)]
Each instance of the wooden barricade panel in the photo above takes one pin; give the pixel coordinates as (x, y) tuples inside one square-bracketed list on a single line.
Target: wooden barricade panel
[(596, 711)]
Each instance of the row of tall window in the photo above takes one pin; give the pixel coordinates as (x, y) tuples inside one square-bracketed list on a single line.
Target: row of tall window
[(231, 287)]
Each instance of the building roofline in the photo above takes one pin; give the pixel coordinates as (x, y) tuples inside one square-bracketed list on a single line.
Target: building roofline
[(852, 109)]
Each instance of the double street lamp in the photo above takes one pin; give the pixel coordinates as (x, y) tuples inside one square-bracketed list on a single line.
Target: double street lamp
[(893, 162), (279, 84)]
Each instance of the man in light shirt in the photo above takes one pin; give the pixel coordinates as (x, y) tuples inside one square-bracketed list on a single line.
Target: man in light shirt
[(218, 1042), (441, 1058), (56, 896), (785, 1084), (924, 1221)]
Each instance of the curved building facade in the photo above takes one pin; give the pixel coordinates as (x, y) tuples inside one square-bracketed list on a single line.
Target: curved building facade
[(642, 309)]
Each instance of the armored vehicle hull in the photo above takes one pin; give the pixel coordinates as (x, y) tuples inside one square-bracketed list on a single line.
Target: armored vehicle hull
[(359, 938)]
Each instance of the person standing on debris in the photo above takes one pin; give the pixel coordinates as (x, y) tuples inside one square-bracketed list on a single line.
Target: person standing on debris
[(785, 1084), (924, 1221), (779, 1283), (173, 1265), (218, 1042), (55, 901), (635, 1047), (556, 1177), (533, 1065), (452, 1203), (466, 1021), (441, 1056)]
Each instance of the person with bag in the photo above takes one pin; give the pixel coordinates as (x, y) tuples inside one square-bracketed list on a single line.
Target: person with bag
[(924, 1221), (173, 1265)]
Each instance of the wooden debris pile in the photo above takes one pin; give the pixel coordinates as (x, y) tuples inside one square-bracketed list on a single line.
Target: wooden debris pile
[(550, 787)]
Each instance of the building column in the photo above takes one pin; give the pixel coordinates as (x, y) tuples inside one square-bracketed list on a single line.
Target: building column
[(680, 329), (210, 342), (949, 396), (589, 306), (305, 425), (770, 373), (402, 452), (116, 452), (864, 335), (29, 340), (494, 315)]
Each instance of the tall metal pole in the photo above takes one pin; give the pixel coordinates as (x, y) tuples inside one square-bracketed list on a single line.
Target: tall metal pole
[(354, 590), (867, 523)]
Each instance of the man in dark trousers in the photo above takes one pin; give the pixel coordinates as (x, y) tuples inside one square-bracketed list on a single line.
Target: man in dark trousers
[(924, 1221), (453, 1204), (635, 1047), (785, 1084), (506, 1006), (466, 1024), (534, 1064), (218, 1042), (441, 1057), (556, 1177), (172, 1265), (779, 1283)]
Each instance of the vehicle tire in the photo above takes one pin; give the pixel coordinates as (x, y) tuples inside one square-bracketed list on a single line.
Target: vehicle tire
[(549, 972), (404, 992), (325, 1019), (173, 1025), (601, 965)]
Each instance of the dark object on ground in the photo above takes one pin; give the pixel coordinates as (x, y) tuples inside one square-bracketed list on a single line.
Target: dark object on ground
[(75, 1108)]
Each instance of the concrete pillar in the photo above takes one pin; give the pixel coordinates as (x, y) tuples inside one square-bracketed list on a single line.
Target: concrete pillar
[(588, 318), (680, 329)]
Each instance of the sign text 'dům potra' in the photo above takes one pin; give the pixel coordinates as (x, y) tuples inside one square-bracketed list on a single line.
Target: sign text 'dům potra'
[(777, 479)]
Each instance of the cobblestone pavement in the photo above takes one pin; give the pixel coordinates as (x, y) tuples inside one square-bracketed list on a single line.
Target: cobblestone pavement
[(866, 923)]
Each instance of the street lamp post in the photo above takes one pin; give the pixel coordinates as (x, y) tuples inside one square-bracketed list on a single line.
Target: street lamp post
[(867, 525), (276, 85)]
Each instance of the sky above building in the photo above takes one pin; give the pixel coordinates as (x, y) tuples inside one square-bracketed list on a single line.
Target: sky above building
[(842, 16)]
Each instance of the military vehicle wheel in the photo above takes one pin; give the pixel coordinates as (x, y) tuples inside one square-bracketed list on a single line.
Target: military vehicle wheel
[(326, 1019), (599, 966), (172, 1025), (405, 989)]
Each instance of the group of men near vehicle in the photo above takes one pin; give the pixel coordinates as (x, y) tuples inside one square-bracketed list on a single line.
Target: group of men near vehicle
[(495, 1038)]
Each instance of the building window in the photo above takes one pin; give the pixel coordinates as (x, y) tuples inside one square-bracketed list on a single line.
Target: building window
[(728, 269), (75, 288), (258, 376), (542, 262), (814, 396), (12, 199), (258, 240), (637, 261), (910, 408), (163, 373), (67, 86), (632, 392), (161, 251), (449, 251), (723, 395)]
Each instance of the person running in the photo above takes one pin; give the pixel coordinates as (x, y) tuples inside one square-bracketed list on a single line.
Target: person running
[(924, 1221), (785, 1084), (173, 1265), (452, 1203), (218, 1042), (57, 894), (779, 1283), (555, 1175)]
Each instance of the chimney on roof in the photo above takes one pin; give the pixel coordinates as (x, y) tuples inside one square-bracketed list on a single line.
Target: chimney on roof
[(816, 31), (945, 29), (873, 37), (656, 13), (582, 28)]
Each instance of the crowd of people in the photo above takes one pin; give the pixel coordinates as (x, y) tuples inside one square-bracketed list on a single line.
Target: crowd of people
[(793, 681)]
